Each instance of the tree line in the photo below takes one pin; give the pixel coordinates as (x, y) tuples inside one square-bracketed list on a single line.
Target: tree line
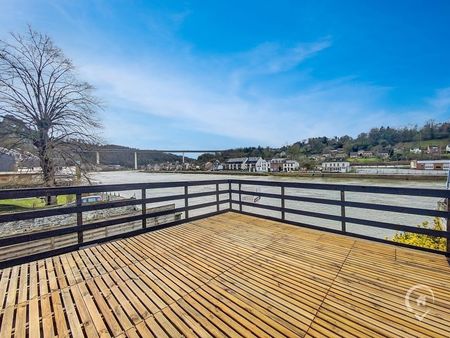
[(380, 139)]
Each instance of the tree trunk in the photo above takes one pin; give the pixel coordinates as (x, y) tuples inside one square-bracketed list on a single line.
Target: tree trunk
[(47, 165), (48, 173)]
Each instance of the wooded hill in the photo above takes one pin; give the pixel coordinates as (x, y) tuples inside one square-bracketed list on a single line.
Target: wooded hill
[(395, 141), (124, 156)]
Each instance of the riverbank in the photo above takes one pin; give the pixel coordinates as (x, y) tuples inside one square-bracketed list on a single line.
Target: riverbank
[(313, 175)]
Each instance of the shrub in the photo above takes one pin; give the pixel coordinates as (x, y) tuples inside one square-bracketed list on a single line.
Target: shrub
[(421, 240)]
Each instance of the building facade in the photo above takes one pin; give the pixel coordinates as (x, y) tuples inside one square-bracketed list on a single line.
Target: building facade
[(282, 164), (252, 164), (433, 149), (276, 164), (336, 167), (290, 165), (236, 163), (431, 165), (257, 164)]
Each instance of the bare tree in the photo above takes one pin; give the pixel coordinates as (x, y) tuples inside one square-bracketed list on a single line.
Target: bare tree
[(39, 88)]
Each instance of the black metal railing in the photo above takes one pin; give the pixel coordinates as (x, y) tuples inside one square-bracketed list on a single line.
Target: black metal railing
[(344, 204), (233, 190), (212, 208)]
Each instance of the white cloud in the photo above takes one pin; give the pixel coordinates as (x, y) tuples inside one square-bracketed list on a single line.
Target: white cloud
[(271, 58), (198, 101), (441, 100)]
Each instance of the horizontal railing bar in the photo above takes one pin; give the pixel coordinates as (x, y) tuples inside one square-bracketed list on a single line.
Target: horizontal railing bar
[(57, 211), (293, 211), (139, 217), (72, 229), (339, 232), (21, 216), (398, 227), (350, 204), (38, 192), (290, 197), (398, 209), (205, 205), (377, 224), (90, 226), (350, 188), (34, 236), (181, 196), (134, 218)]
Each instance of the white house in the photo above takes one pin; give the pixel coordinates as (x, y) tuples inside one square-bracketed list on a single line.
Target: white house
[(415, 151), (252, 164), (290, 165), (217, 166), (447, 148), (236, 163), (263, 166), (336, 167), (257, 164)]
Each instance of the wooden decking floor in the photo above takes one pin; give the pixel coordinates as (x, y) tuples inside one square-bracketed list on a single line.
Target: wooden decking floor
[(227, 275)]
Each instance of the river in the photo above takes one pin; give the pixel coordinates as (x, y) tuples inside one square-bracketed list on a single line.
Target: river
[(410, 201)]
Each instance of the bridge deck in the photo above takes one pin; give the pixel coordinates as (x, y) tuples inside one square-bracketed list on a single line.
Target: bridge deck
[(228, 275)]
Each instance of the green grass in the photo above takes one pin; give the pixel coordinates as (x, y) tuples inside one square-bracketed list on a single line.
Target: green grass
[(23, 204), (365, 160), (441, 142)]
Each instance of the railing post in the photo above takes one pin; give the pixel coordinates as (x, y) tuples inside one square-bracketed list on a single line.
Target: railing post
[(217, 197), (240, 198), (186, 202), (282, 204), (144, 208), (343, 225), (448, 225), (79, 218), (229, 194)]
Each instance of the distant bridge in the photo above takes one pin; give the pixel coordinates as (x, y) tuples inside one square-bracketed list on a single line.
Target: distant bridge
[(145, 151)]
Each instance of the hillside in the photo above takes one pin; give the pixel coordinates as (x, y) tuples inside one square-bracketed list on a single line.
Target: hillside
[(386, 143), (124, 156)]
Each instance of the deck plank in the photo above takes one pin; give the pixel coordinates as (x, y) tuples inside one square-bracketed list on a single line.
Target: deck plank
[(227, 275)]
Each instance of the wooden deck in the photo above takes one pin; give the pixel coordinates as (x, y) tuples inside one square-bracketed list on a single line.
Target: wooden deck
[(228, 275)]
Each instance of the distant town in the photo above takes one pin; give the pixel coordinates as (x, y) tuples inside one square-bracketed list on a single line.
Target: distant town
[(410, 151), (335, 161)]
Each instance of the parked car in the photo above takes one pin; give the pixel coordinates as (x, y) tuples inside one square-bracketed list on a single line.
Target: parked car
[(91, 199)]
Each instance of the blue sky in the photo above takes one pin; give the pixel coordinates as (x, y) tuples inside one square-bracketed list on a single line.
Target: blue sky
[(221, 74)]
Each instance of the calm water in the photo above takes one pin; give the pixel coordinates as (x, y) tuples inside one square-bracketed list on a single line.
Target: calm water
[(411, 201)]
